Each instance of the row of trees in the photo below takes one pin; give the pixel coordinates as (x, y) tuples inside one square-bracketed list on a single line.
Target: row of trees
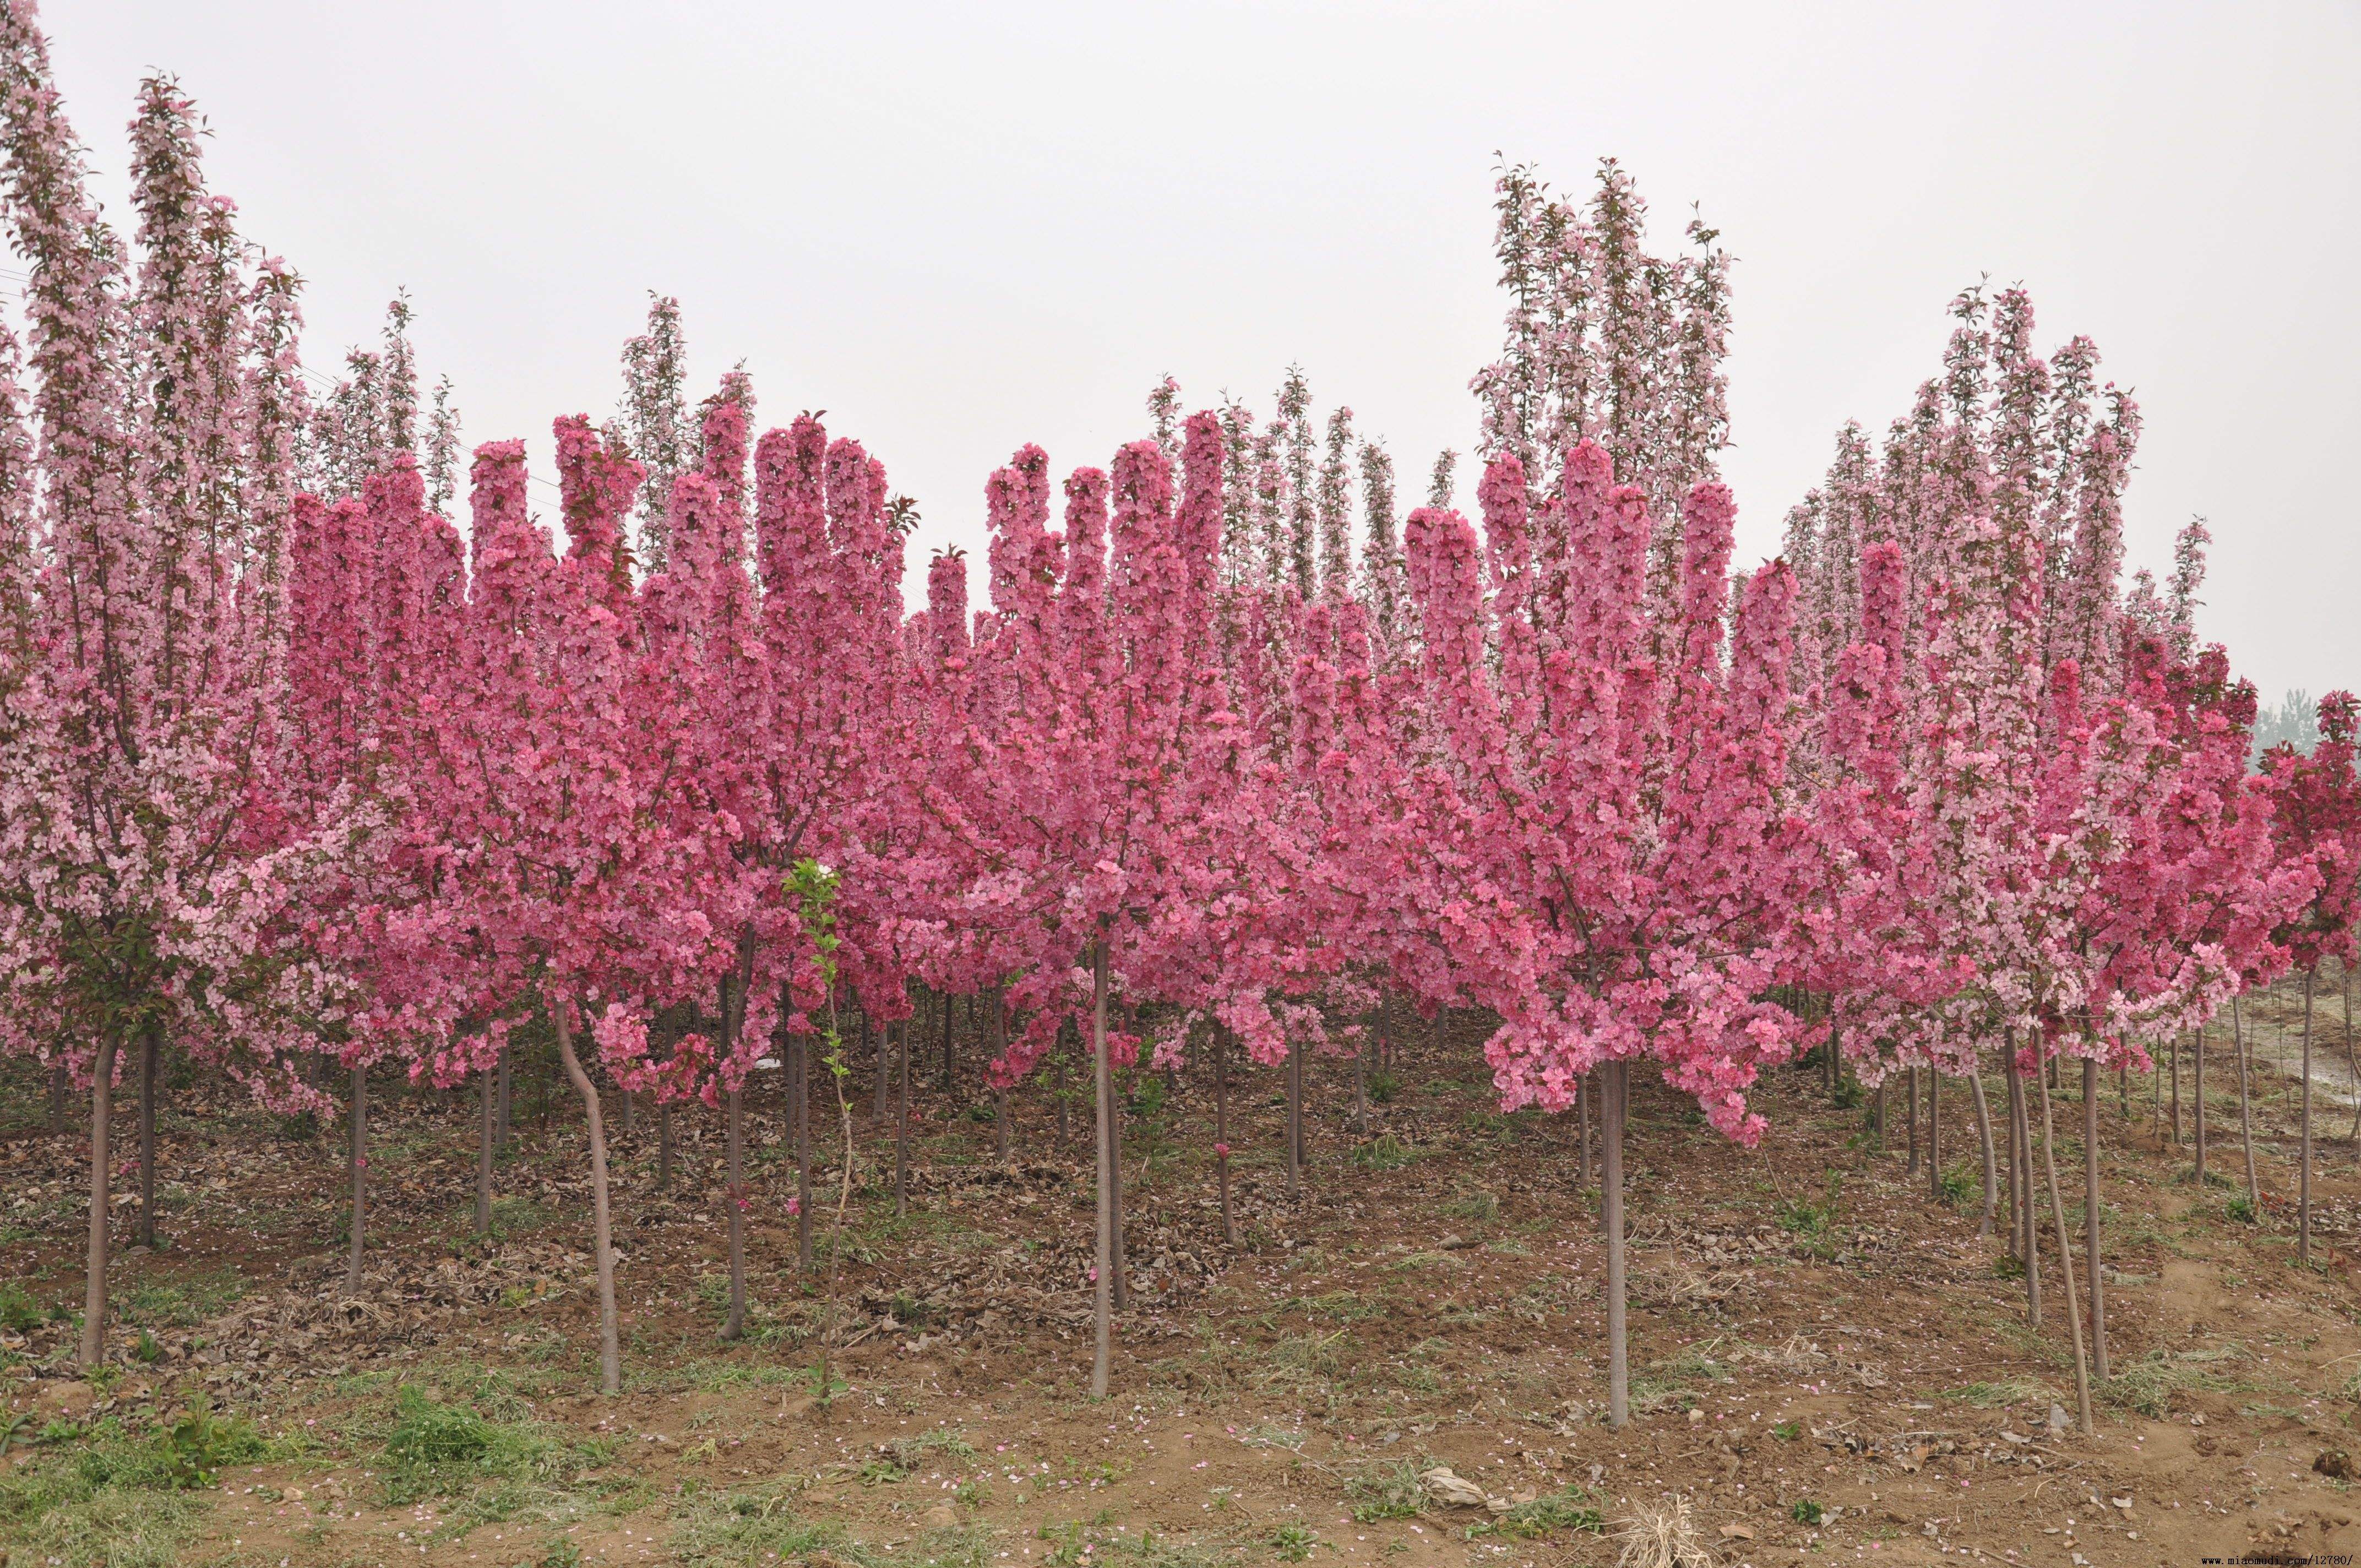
[(288, 776)]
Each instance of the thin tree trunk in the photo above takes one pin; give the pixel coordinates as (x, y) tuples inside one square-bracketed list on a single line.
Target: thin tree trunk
[(148, 1054), (2303, 1172), (1877, 1116), (2351, 1066), (1935, 1132), (901, 1117), (1611, 1222), (734, 1194), (360, 1131), (995, 1043), (2065, 1261), (2200, 1110), (664, 1146), (1102, 1086), (947, 1041), (2245, 1110), (631, 1112), (883, 1053), (485, 1132), (1294, 1119), (800, 1081), (2090, 1218), (2172, 1049), (1910, 1095), (1115, 1193), (1583, 1089), (503, 1147), (2015, 1186), (2028, 1229), (611, 1345), (1065, 1122), (1222, 1130), (1360, 1091), (102, 1108), (1984, 1138)]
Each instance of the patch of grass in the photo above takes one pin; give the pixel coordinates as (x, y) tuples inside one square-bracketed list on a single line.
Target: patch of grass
[(18, 1313), (182, 1303), (2238, 1207), (1806, 1512), (941, 1442), (1384, 1152), (1663, 1385), (1476, 1204), (2006, 1391), (1385, 1492), (1384, 1086), (2146, 1386), (1570, 1509), (499, 1468), (1812, 1223), (741, 1530), (1293, 1542), (1335, 1307), (1963, 1186)]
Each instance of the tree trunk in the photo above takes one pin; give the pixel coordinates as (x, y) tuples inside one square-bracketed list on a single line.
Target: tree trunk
[(800, 1082), (2172, 1049), (2090, 1218), (504, 1148), (2200, 1110), (902, 1118), (631, 1112), (1058, 1091), (1102, 1084), (102, 1108), (2015, 1182), (2065, 1261), (360, 1178), (2303, 1171), (1910, 1098), (484, 1135), (2352, 1064), (611, 1345), (995, 1043), (1294, 1119), (1610, 1223), (1935, 1132), (2028, 1229), (147, 1053), (664, 1146), (734, 1326), (1222, 1130), (1115, 1193), (884, 1057), (947, 1042), (1585, 1090), (2245, 1110), (1877, 1116), (1360, 1090), (1984, 1138)]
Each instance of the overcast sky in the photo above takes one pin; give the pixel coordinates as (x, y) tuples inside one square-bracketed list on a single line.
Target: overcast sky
[(960, 228)]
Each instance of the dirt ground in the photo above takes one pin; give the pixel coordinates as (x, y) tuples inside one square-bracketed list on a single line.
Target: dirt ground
[(1829, 1363)]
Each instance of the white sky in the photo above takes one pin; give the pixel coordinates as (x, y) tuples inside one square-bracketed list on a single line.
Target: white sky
[(958, 228)]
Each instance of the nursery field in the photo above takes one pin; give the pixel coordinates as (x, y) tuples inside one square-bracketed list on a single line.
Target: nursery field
[(1828, 1363)]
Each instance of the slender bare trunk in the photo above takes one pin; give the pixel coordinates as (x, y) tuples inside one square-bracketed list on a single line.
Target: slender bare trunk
[(2303, 1175), (485, 1132), (2246, 1110), (883, 1053), (664, 1146), (1877, 1116), (995, 1043), (1222, 1130), (2090, 1218), (1910, 1098), (2065, 1261), (1935, 1132), (1115, 1193), (1361, 1090), (148, 1054), (734, 1325), (2352, 1064), (1294, 1120), (504, 1100), (837, 1074), (2015, 1184), (360, 1131), (2172, 1050), (901, 1117), (1585, 1090), (631, 1112), (2200, 1110), (799, 1076), (1102, 1085), (611, 1345), (2028, 1229), (102, 1109), (1611, 1222), (1984, 1138), (947, 1041)]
